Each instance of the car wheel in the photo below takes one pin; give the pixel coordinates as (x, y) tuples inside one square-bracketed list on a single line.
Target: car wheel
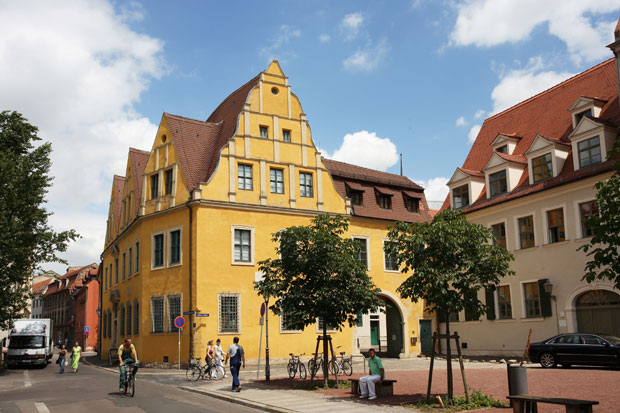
[(547, 360)]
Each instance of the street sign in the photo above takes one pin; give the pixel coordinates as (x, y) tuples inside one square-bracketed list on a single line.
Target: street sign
[(179, 322), (262, 309), (202, 314), (261, 321), (86, 330), (189, 312)]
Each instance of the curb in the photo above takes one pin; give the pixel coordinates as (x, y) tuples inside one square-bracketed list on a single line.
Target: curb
[(231, 399)]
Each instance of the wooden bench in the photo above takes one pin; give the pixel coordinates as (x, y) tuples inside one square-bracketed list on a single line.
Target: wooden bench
[(385, 389), (527, 403)]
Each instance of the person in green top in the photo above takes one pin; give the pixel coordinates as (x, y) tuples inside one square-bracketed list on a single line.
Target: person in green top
[(75, 357), (127, 355), (376, 374)]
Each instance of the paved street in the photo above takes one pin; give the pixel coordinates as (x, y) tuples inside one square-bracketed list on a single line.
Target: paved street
[(96, 390)]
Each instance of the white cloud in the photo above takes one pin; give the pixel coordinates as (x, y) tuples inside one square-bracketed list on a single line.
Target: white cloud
[(366, 149), (520, 84), (435, 190), (368, 58), (480, 113), (578, 23), (76, 70), (350, 25), (473, 133), (277, 46), (461, 121), (325, 38)]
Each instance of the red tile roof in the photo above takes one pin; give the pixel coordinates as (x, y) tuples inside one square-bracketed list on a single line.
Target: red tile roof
[(40, 287), (368, 181), (138, 164), (546, 114), (73, 279)]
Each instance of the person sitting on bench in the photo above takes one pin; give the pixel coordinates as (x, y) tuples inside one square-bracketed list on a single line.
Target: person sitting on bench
[(376, 374)]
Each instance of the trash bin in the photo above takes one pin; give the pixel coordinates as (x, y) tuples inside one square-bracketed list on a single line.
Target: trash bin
[(517, 380)]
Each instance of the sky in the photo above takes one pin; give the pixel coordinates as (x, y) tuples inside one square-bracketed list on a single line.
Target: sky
[(375, 78)]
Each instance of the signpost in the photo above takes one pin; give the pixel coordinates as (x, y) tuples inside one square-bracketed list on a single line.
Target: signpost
[(260, 340), (86, 330), (202, 314), (179, 323)]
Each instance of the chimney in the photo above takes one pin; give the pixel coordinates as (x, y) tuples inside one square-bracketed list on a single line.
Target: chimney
[(615, 48)]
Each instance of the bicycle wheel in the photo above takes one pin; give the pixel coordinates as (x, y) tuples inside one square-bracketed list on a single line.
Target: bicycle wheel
[(333, 367), (291, 369), (219, 373), (192, 373), (312, 367), (131, 384), (302, 371), (347, 367)]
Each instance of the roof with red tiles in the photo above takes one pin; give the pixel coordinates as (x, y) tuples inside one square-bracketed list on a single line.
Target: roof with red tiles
[(73, 279), (546, 114), (370, 183), (117, 189), (39, 288), (138, 161)]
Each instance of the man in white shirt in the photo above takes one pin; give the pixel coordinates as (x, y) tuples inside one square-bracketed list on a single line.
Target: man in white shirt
[(237, 359)]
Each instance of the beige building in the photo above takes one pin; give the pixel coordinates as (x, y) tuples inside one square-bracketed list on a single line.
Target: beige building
[(530, 177)]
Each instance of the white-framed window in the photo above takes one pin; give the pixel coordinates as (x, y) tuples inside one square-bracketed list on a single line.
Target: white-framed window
[(137, 270), (286, 135), (276, 180), (363, 255), (242, 245), (555, 225), (390, 261), (498, 183), (157, 314), (319, 325), (589, 151), (244, 177), (526, 231), (504, 302), (229, 310), (531, 299), (157, 250), (130, 263), (460, 196), (285, 326), (175, 247), (542, 167), (305, 185), (174, 310), (264, 131), (499, 231), (585, 210)]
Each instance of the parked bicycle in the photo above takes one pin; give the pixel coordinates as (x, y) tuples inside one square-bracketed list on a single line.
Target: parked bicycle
[(314, 367), (130, 381), (198, 370), (295, 365), (341, 364)]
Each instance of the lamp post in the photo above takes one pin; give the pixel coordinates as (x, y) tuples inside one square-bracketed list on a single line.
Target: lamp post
[(267, 369), (548, 289)]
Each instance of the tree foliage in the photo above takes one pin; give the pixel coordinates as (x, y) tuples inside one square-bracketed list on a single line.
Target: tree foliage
[(318, 274), (604, 246), (26, 239)]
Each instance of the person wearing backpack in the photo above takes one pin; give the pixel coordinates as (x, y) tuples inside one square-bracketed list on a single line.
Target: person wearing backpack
[(237, 360)]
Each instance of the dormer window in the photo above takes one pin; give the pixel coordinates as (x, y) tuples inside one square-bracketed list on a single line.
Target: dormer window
[(589, 152), (542, 167), (497, 183), (412, 204), (580, 115), (356, 197), (384, 201), (460, 197), (502, 149)]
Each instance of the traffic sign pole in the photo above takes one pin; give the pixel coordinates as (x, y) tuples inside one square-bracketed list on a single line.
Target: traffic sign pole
[(179, 362), (179, 323)]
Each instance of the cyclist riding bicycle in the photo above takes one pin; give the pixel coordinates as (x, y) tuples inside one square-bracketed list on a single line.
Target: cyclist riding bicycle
[(127, 355)]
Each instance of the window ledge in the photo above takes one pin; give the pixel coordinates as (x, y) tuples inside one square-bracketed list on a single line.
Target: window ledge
[(522, 250), (228, 333), (583, 240), (291, 331), (178, 264), (242, 264), (505, 320), (473, 322), (532, 319), (392, 271), (552, 244), (157, 268)]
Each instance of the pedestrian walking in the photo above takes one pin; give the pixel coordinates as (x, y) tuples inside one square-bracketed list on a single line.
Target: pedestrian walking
[(237, 360), (62, 356), (376, 375), (76, 353), (210, 357), (219, 361)]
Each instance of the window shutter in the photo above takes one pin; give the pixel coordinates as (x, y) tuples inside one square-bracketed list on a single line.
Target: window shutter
[(545, 299), (489, 294), (441, 315)]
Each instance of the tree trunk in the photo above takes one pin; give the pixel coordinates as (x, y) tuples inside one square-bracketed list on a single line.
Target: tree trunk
[(449, 358), (325, 356)]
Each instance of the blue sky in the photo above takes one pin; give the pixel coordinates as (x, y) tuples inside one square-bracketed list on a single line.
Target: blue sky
[(375, 78)]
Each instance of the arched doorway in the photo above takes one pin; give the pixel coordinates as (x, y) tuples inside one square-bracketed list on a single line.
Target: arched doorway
[(598, 311), (394, 327)]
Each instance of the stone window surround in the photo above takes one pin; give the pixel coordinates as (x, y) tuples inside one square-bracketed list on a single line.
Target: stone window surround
[(252, 245), (367, 238), (546, 222), (518, 234)]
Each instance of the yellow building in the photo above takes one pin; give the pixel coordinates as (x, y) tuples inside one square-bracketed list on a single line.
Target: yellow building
[(192, 217)]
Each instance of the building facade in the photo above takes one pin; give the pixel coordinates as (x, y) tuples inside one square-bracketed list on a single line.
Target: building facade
[(192, 217), (530, 177)]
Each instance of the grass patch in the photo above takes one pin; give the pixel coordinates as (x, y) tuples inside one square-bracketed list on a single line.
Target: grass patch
[(477, 400), (331, 384)]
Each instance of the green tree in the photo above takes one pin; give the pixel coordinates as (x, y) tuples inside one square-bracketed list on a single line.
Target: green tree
[(604, 246), (26, 239), (449, 259), (318, 275)]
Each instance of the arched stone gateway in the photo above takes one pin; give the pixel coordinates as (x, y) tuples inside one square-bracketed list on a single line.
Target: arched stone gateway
[(598, 311)]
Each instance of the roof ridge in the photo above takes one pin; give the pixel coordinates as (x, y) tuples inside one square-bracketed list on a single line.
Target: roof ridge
[(139, 151), (198, 121), (119, 176), (570, 79), (369, 169), (254, 79)]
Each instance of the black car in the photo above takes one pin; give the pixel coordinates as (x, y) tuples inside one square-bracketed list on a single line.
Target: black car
[(569, 349)]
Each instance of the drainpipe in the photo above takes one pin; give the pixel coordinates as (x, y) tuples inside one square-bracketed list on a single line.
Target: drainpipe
[(191, 303)]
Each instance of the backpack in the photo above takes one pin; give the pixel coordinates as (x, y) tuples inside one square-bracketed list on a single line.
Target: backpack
[(236, 359)]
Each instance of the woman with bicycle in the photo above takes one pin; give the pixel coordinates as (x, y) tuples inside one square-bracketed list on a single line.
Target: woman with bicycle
[(127, 355)]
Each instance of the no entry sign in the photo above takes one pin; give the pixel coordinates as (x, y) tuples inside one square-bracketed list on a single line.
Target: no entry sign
[(179, 322)]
